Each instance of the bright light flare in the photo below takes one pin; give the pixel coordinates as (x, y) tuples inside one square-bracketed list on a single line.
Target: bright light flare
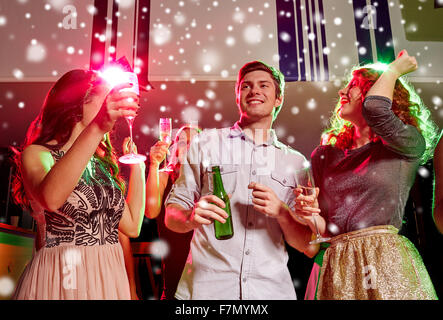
[(115, 76)]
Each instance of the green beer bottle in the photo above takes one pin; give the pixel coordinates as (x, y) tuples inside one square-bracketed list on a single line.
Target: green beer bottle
[(225, 230)]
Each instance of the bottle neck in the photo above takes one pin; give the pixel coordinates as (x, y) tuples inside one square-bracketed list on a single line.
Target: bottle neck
[(218, 182)]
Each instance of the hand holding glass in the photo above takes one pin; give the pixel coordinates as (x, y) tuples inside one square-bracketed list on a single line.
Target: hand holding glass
[(305, 181), (115, 76), (165, 134)]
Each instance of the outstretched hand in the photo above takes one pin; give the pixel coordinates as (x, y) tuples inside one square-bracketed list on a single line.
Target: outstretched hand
[(403, 64)]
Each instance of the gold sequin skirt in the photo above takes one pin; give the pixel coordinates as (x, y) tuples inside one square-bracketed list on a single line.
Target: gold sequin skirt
[(375, 263)]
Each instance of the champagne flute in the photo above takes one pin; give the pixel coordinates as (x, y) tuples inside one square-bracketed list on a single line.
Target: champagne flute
[(305, 181), (165, 134), (131, 157)]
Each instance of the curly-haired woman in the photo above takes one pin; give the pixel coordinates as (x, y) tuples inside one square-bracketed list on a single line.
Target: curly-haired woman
[(365, 166)]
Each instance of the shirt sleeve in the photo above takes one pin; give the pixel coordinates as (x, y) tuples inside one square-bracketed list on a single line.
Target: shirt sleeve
[(399, 137), (187, 188)]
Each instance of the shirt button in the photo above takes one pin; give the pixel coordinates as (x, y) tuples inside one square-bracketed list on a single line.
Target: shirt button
[(244, 279), (254, 172), (247, 252)]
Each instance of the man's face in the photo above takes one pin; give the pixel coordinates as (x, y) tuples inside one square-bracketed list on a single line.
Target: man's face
[(256, 96)]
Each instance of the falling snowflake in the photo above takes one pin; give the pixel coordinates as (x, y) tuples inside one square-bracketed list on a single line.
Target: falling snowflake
[(423, 172), (210, 94), (159, 248), (285, 37), (333, 228), (338, 21), (312, 104), (280, 131), (252, 34), (126, 3), (218, 117), (7, 286), (230, 41), (238, 16), (295, 110), (179, 18), (436, 100), (18, 74), (191, 114), (200, 103), (362, 50), (161, 34), (3, 21), (345, 61), (144, 129), (35, 52)]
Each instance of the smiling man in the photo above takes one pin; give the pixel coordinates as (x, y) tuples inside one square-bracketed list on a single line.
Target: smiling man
[(258, 172)]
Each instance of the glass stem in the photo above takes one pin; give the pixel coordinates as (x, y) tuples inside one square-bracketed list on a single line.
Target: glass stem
[(130, 122), (316, 227)]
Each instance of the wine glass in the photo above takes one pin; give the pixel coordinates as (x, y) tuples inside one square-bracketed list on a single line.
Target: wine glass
[(131, 157), (305, 181), (165, 133)]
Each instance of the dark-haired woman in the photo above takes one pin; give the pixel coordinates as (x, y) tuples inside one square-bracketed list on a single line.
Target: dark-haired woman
[(158, 185), (364, 168), (68, 175)]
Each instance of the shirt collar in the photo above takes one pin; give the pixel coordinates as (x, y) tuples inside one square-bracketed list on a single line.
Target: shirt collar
[(237, 131)]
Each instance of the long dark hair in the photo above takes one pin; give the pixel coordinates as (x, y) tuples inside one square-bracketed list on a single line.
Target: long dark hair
[(61, 111)]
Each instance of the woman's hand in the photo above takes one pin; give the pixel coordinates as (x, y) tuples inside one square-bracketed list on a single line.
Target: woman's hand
[(127, 146), (117, 104), (305, 207), (403, 64), (158, 153)]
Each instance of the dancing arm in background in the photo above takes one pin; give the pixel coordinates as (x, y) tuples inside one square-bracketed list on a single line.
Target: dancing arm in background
[(364, 168), (68, 174), (157, 180), (125, 241), (158, 185), (438, 185)]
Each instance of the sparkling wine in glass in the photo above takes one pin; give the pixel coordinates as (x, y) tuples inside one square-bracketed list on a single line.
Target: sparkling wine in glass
[(165, 134), (131, 157), (305, 181)]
